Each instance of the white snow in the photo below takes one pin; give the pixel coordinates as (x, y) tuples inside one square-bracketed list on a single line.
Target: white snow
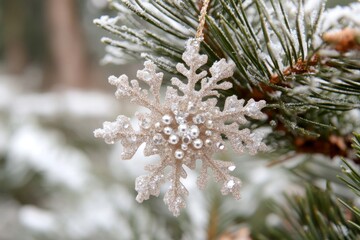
[(45, 152), (38, 220), (350, 15)]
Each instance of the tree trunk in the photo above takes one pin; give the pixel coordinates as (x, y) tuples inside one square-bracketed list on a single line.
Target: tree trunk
[(15, 53), (67, 46)]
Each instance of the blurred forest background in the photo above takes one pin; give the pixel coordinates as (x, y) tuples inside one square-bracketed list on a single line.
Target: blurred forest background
[(58, 182)]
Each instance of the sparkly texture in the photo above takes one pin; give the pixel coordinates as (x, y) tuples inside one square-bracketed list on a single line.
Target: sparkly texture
[(230, 184), (220, 145), (158, 127), (191, 107), (231, 168), (185, 127), (208, 133), (145, 123), (158, 139)]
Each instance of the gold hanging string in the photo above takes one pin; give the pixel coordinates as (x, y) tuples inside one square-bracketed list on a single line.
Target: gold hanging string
[(203, 12)]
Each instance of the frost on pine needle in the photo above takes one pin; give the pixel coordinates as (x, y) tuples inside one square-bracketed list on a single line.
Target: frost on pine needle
[(184, 128)]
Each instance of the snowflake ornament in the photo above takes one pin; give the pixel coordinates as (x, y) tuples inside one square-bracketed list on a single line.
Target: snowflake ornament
[(184, 128)]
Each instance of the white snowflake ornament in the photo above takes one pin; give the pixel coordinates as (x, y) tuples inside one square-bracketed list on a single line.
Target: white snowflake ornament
[(185, 128)]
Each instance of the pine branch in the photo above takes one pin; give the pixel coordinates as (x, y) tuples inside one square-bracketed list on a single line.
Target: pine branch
[(317, 215), (352, 180), (278, 53)]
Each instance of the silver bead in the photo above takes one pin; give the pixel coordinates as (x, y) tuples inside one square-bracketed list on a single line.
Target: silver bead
[(198, 143), (167, 119), (194, 131), (182, 128), (208, 142), (186, 139), (173, 139), (179, 154), (168, 130)]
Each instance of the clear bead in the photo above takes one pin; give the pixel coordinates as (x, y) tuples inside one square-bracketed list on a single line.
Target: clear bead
[(198, 143), (186, 139), (145, 123), (179, 154), (167, 119), (184, 146), (208, 133), (198, 119), (173, 139), (220, 145), (182, 128), (168, 130), (209, 124), (208, 142), (181, 118), (194, 131), (158, 139)]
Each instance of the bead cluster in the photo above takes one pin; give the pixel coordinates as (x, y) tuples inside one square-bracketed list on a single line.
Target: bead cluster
[(185, 132)]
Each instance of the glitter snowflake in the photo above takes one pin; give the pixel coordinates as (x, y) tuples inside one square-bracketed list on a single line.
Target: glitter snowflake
[(188, 126)]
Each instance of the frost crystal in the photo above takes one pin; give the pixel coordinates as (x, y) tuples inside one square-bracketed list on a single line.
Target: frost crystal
[(185, 128)]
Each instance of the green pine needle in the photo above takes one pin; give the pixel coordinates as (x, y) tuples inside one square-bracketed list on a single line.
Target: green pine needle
[(266, 42)]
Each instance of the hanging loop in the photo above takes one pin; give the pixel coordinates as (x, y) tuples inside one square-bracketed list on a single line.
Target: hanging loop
[(200, 30)]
